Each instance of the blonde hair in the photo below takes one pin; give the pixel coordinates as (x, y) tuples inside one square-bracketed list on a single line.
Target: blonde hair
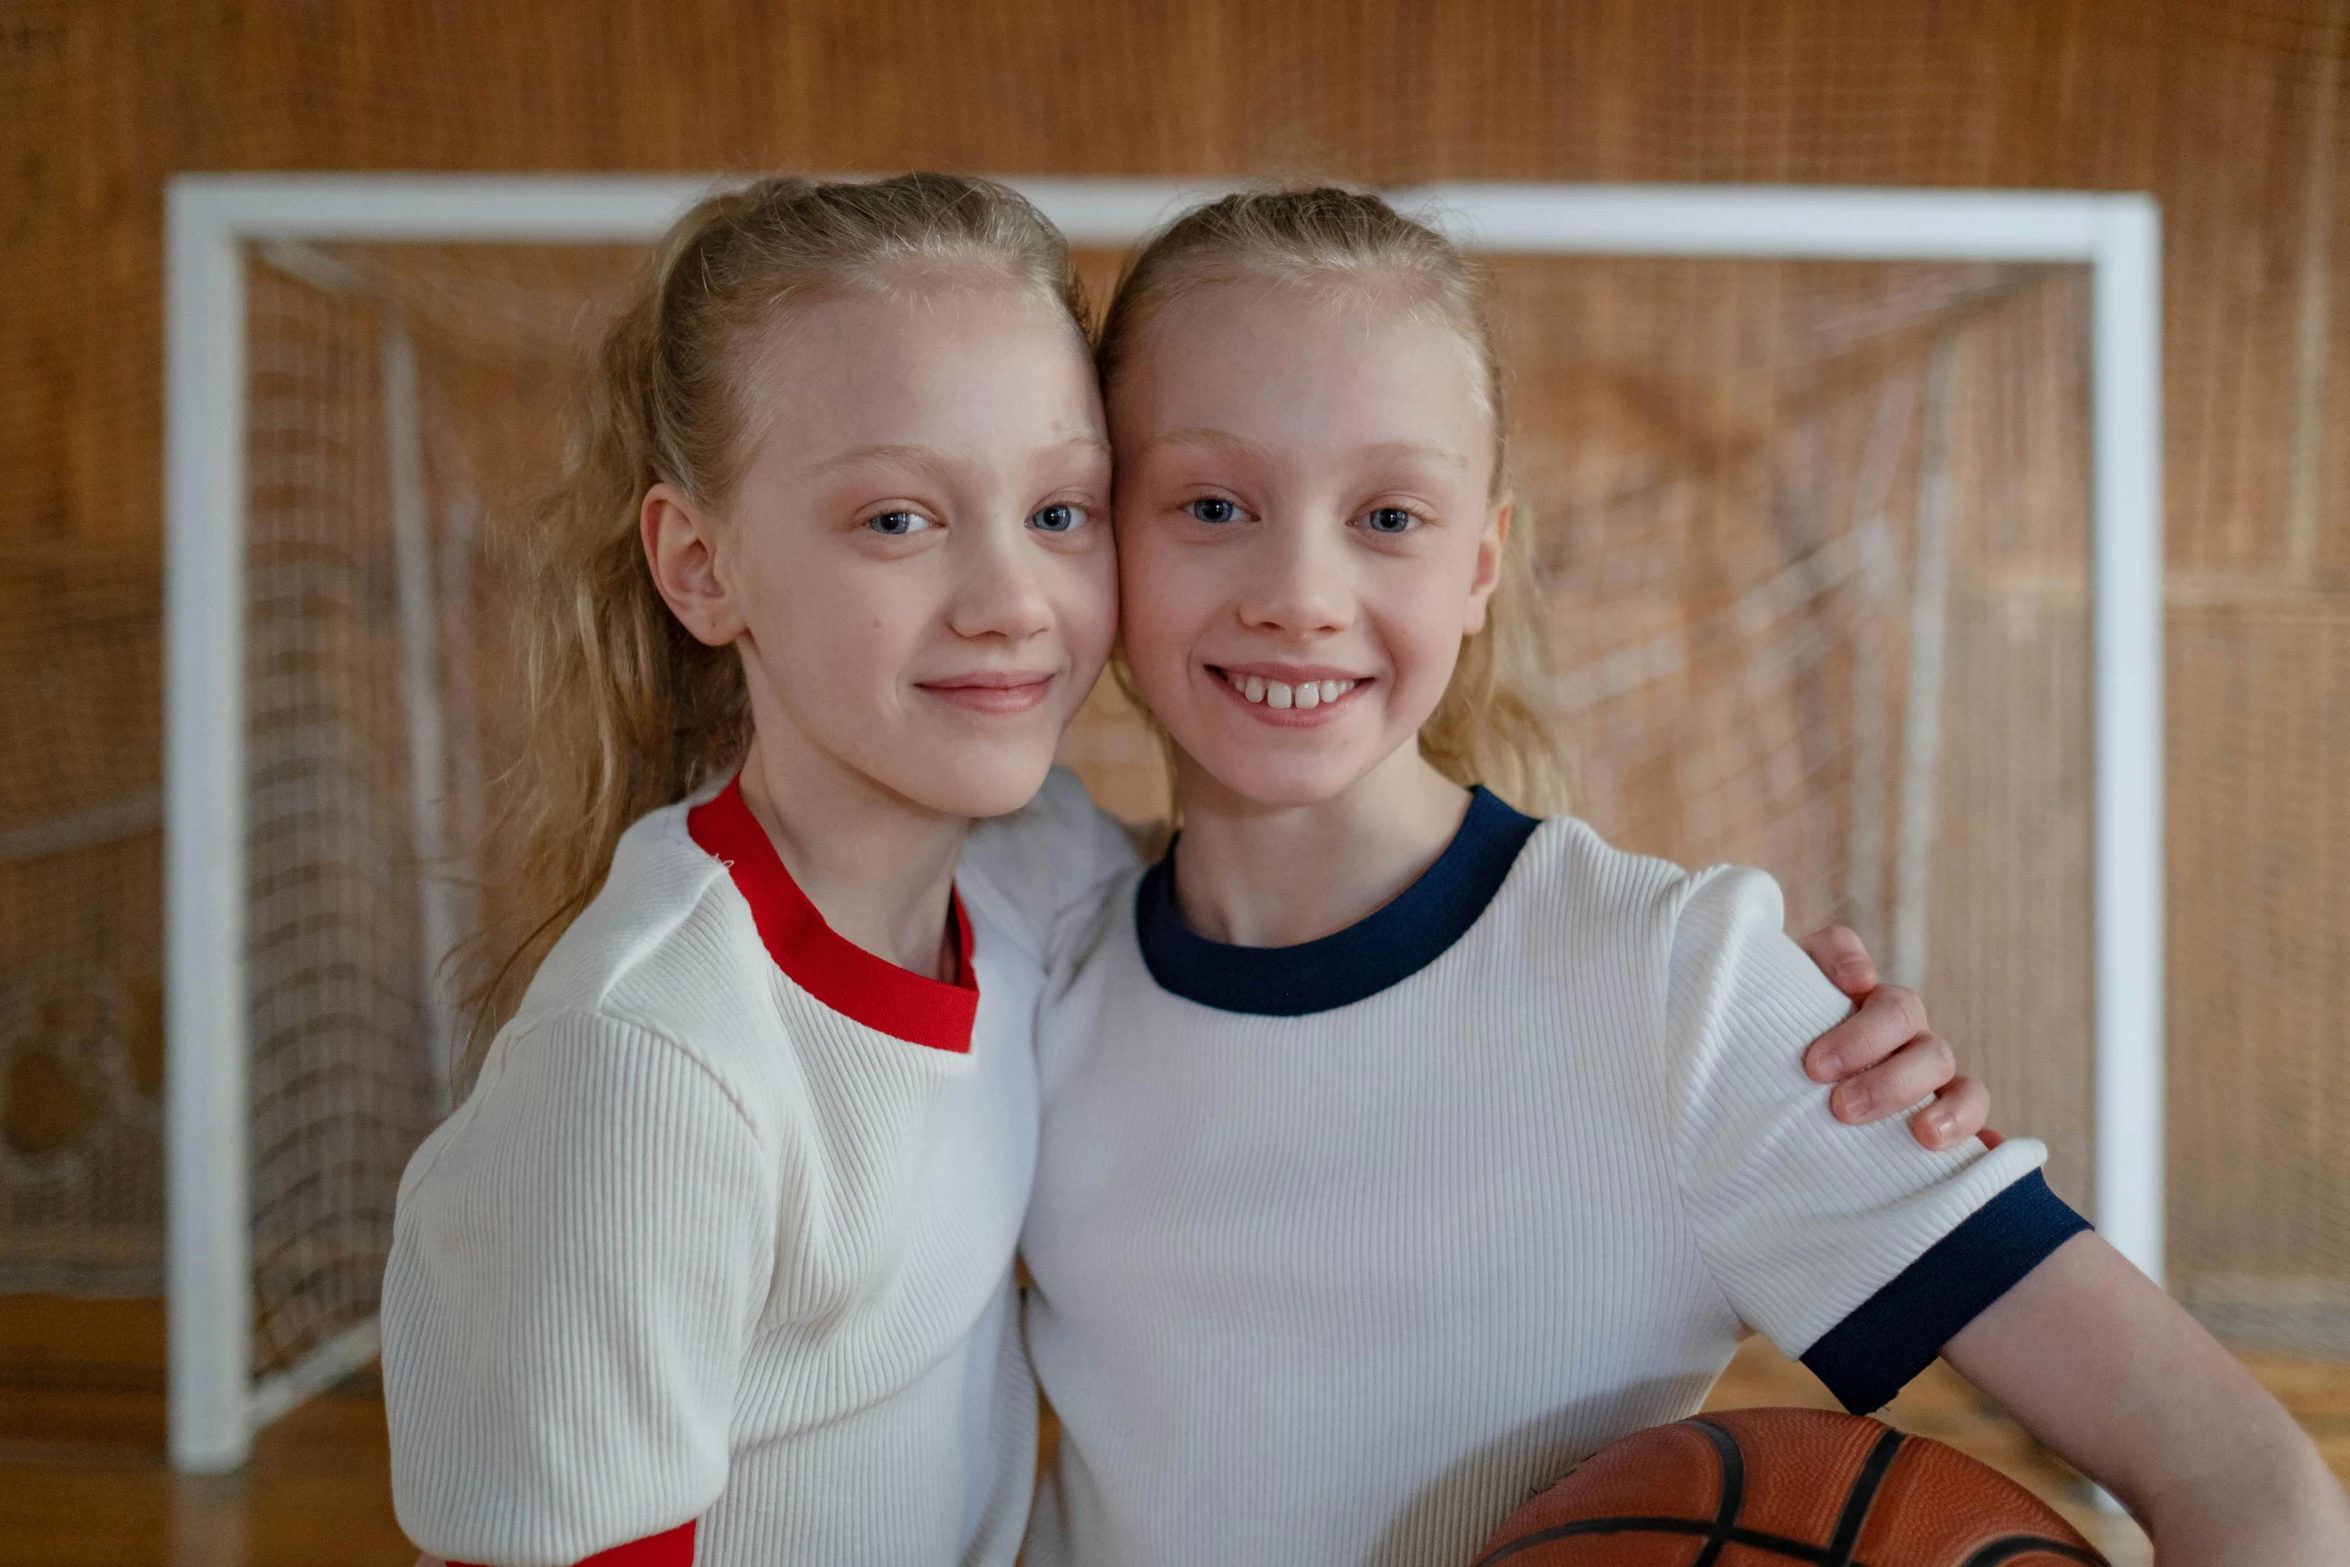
[(1490, 727), (628, 712)]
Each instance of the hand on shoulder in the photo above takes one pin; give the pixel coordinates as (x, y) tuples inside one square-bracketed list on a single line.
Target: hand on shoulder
[(1886, 1055)]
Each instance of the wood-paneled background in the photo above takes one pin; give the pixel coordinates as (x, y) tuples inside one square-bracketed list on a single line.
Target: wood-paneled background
[(2230, 113)]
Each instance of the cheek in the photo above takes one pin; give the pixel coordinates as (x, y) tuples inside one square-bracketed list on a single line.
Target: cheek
[(1164, 596), (1424, 614), (1084, 593), (856, 627)]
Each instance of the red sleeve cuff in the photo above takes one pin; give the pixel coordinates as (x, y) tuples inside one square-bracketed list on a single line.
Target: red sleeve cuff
[(672, 1548)]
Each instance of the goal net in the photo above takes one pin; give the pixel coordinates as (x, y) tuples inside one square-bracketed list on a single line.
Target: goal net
[(385, 387), (1814, 542)]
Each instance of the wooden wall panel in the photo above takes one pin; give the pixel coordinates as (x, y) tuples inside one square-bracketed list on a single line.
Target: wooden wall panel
[(2211, 106)]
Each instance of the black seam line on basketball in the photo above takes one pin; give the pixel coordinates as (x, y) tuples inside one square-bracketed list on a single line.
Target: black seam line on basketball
[(2015, 1545), (1861, 1498), (1752, 1539), (1733, 1457)]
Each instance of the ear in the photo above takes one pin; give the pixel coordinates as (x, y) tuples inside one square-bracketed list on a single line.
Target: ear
[(681, 549), (1492, 547)]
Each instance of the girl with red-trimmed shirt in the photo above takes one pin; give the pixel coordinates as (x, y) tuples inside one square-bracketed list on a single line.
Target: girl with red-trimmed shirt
[(713, 1262)]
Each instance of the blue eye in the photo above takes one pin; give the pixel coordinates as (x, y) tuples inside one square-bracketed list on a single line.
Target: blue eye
[(1060, 517), (1213, 508), (897, 524), (1390, 519)]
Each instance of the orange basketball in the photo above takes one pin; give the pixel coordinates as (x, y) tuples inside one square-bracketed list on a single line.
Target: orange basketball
[(1775, 1487)]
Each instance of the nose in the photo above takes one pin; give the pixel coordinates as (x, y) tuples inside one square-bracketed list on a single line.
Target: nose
[(997, 590), (1296, 584)]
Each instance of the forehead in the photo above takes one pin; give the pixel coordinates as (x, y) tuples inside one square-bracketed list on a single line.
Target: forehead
[(979, 366), (1303, 363)]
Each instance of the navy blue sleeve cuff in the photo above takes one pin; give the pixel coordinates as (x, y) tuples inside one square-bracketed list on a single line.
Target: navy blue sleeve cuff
[(1897, 1332)]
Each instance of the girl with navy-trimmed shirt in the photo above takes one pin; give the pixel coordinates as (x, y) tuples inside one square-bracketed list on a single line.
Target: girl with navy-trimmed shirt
[(1400, 1148)]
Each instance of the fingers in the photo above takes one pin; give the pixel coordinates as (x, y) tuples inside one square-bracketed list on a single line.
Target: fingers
[(1915, 1071), (1843, 959), (1958, 1113), (1890, 1016)]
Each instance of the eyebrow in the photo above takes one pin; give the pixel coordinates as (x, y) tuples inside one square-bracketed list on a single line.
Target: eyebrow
[(1239, 446), (907, 455)]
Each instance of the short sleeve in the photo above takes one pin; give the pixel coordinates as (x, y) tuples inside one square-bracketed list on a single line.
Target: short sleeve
[(1043, 864), (1852, 1240), (578, 1259)]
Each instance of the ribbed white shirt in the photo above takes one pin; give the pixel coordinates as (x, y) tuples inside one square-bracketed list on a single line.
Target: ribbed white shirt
[(1342, 1250), (717, 1250)]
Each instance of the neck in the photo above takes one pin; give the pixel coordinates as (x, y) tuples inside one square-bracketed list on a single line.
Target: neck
[(878, 867), (1259, 875)]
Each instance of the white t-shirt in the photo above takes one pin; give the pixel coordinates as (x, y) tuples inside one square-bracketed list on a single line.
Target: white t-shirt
[(1342, 1250), (715, 1258)]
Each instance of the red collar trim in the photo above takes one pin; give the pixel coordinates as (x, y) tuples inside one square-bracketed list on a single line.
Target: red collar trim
[(827, 965)]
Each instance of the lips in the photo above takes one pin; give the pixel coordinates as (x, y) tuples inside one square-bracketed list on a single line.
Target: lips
[(992, 691)]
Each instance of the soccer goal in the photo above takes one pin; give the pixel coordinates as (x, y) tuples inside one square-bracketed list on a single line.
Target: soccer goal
[(1850, 541)]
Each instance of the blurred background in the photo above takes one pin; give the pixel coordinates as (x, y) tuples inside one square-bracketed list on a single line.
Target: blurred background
[(1814, 539)]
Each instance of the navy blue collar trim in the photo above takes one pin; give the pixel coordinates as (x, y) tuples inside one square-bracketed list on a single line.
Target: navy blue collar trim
[(1351, 965)]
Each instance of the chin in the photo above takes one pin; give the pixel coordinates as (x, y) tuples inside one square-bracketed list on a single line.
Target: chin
[(978, 781), (1285, 782)]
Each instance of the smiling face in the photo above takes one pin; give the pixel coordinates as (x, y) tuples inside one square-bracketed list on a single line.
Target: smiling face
[(1306, 531), (915, 562)]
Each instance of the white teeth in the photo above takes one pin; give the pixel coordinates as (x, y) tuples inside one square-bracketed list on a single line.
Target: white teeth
[(1275, 693)]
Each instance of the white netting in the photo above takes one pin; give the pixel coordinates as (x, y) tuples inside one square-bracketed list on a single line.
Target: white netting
[(338, 971), (375, 672), (1815, 551)]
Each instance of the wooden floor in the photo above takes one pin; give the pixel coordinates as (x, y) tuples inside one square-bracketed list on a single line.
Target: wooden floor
[(83, 1482)]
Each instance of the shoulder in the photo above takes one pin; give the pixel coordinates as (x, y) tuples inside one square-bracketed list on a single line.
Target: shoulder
[(1687, 941), (1567, 858), (1097, 983), (1729, 934), (665, 959), (1035, 867), (1572, 878), (659, 884), (1102, 923), (576, 1102)]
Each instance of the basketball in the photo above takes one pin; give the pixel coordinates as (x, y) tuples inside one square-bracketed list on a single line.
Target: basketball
[(1770, 1487)]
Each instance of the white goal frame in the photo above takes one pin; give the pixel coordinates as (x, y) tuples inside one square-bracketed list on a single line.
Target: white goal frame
[(212, 219)]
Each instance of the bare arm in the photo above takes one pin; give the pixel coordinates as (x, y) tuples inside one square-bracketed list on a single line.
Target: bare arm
[(2101, 1365)]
